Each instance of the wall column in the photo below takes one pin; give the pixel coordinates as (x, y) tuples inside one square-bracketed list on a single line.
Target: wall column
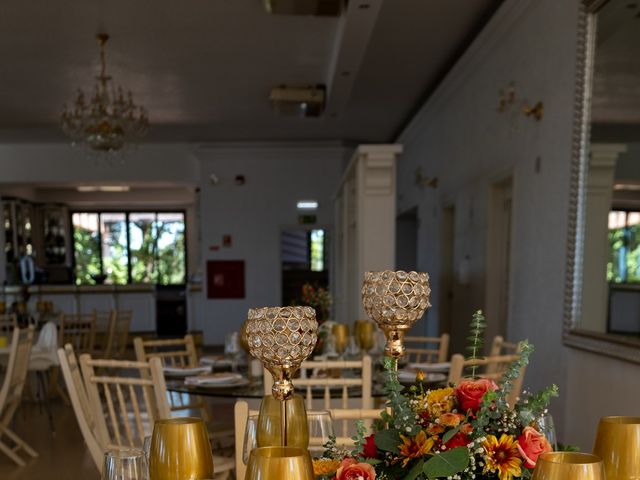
[(599, 192), (365, 224)]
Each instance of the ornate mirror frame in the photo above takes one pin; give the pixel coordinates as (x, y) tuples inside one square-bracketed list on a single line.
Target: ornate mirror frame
[(573, 336)]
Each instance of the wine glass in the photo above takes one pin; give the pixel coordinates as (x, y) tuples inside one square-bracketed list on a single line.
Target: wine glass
[(364, 335), (232, 348), (250, 437), (340, 335), (320, 425), (279, 463), (125, 464), (548, 429)]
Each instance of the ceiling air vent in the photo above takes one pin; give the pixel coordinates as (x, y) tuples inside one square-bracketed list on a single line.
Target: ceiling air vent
[(330, 8), (298, 101)]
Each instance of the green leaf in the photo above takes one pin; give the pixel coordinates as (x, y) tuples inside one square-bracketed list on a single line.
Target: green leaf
[(447, 463), (388, 440), (415, 471), (449, 435)]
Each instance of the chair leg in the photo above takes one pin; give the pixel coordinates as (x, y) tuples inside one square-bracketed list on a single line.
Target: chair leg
[(54, 387), (19, 445), (42, 387)]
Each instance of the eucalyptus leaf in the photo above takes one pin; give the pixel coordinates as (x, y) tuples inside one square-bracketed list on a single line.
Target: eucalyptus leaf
[(415, 471), (447, 463), (450, 434), (388, 440)]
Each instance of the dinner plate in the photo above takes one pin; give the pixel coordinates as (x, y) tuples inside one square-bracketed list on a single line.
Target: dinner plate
[(431, 367), (217, 380), (185, 371)]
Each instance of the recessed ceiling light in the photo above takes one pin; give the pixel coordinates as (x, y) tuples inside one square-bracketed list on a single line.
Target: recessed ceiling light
[(307, 205), (104, 188)]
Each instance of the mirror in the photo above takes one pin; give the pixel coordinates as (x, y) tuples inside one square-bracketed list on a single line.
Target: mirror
[(603, 311)]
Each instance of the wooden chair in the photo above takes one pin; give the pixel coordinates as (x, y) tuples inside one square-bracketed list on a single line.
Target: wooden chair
[(11, 394), (429, 349), (334, 382), (490, 367), (118, 333), (352, 414), (79, 331), (174, 352), (499, 346), (79, 398), (8, 322)]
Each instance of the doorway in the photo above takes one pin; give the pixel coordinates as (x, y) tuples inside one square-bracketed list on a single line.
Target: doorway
[(499, 258), (446, 280), (407, 240), (305, 259)]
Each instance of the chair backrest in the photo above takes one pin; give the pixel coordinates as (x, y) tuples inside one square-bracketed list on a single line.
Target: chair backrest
[(334, 384), (80, 402), (8, 321), (79, 331), (427, 349), (132, 401), (499, 346), (490, 367), (16, 373), (118, 333), (175, 352), (351, 414), (241, 413)]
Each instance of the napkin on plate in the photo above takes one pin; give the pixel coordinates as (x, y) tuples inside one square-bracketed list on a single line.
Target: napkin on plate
[(184, 371), (215, 379)]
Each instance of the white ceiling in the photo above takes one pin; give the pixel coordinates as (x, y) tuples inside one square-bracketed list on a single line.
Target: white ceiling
[(204, 68)]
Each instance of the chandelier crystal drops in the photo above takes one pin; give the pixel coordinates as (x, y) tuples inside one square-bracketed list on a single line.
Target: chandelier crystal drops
[(109, 121)]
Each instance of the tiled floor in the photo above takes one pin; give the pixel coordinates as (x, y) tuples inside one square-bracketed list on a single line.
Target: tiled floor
[(62, 456)]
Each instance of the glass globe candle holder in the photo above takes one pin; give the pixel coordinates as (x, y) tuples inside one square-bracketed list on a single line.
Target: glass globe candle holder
[(395, 301), (282, 338)]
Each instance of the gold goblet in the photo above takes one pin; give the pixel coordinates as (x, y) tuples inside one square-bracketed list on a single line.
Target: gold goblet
[(279, 463), (180, 450), (270, 423), (568, 466), (341, 336), (395, 301), (364, 335), (618, 444), (281, 338)]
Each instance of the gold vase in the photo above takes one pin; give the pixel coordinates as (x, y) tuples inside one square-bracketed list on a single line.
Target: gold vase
[(618, 444), (180, 450), (341, 336), (568, 466), (279, 463), (269, 423)]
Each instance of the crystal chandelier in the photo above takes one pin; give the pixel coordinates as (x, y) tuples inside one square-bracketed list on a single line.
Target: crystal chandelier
[(110, 121)]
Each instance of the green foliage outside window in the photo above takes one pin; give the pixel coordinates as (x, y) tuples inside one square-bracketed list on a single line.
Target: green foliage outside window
[(624, 253), (155, 250)]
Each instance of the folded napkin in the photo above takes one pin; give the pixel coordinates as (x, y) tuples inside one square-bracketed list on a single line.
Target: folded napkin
[(215, 379), (430, 367), (184, 371), (215, 360)]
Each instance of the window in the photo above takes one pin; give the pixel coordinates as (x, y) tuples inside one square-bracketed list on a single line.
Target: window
[(129, 247), (624, 247)]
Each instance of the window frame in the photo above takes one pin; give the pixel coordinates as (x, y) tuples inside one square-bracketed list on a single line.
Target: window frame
[(626, 211), (127, 212)]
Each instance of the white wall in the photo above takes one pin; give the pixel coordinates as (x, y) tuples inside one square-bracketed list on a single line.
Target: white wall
[(254, 215), (460, 137)]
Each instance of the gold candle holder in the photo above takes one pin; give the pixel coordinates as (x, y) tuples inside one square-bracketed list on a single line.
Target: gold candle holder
[(281, 338), (395, 301), (618, 444), (279, 463), (180, 450), (568, 466)]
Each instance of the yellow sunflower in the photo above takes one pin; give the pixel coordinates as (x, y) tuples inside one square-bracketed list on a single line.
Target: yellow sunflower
[(440, 401), (416, 447), (502, 456)]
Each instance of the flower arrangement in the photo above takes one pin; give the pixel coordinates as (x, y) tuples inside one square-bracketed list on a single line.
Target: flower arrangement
[(464, 431), (317, 297)]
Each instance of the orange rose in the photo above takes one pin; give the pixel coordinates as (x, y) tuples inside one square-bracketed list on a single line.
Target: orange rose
[(352, 470), (450, 419), (531, 444), (435, 429), (470, 393)]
